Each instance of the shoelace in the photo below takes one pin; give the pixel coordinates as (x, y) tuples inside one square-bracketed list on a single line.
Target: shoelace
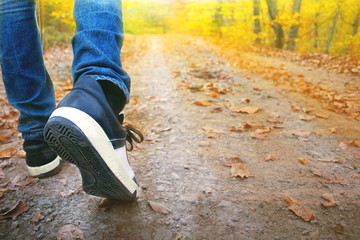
[(133, 135)]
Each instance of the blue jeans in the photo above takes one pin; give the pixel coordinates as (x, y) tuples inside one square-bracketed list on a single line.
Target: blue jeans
[(96, 46)]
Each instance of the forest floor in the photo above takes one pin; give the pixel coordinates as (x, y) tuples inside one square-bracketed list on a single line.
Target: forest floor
[(224, 148)]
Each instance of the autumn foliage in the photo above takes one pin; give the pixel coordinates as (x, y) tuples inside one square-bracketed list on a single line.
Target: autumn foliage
[(302, 25)]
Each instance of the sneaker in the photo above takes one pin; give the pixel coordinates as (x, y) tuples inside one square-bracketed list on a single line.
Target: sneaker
[(41, 161), (85, 131)]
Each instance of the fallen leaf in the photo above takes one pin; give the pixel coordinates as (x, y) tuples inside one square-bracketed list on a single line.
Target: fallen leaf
[(322, 115), (343, 146), (231, 161), (239, 170), (295, 109), (339, 180), (157, 207), (105, 204), (216, 110), (330, 198), (70, 232), (258, 136), (248, 109), (4, 139), (271, 156), (37, 217), (203, 103), (339, 228), (357, 156), (262, 130), (303, 160), (21, 154), (18, 209), (299, 209), (311, 236), (307, 117), (234, 129), (354, 143), (213, 95), (333, 130), (301, 133), (8, 152)]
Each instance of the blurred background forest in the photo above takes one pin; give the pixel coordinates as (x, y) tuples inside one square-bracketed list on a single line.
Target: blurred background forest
[(310, 26)]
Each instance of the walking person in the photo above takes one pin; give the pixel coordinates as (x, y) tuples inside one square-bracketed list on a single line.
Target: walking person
[(85, 128)]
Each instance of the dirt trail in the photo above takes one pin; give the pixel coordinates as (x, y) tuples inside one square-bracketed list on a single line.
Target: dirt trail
[(181, 163)]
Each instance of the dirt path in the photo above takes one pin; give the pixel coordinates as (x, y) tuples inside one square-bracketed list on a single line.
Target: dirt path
[(181, 164)]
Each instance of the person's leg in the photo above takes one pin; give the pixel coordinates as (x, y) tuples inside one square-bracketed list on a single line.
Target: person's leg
[(97, 45), (86, 128), (27, 83)]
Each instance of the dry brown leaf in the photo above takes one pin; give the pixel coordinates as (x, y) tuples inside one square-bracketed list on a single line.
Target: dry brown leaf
[(8, 152), (157, 207), (18, 209), (354, 143), (231, 161), (329, 197), (203, 103), (213, 95), (239, 170), (258, 136), (339, 229), (311, 236), (37, 217), (262, 130), (339, 180), (271, 156), (234, 129), (294, 108), (248, 109), (322, 115), (21, 154), (307, 117), (301, 133), (70, 232), (246, 126), (343, 146), (357, 156), (105, 204), (303, 160), (299, 209), (333, 130), (4, 139)]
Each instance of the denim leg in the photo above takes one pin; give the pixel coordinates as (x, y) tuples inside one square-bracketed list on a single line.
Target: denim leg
[(97, 42), (27, 83)]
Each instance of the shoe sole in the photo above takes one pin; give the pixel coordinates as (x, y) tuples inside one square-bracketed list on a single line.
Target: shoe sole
[(79, 139), (46, 170)]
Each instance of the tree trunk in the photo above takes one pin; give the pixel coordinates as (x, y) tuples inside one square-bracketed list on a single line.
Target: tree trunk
[(257, 26), (332, 31), (279, 32), (316, 30), (293, 33), (218, 19), (356, 24)]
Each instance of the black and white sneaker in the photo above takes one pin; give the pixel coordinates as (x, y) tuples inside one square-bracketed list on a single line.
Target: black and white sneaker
[(41, 160), (85, 131)]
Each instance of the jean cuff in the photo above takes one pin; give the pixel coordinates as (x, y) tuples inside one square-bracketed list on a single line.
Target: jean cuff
[(118, 83), (33, 136)]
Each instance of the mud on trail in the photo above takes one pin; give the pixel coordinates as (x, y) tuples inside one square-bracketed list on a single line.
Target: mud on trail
[(204, 123)]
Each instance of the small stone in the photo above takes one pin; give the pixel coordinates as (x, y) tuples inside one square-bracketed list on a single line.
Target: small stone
[(224, 203), (313, 221), (341, 208), (183, 222), (235, 219)]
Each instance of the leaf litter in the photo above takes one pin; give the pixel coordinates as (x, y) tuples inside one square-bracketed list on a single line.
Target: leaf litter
[(19, 208), (299, 209)]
